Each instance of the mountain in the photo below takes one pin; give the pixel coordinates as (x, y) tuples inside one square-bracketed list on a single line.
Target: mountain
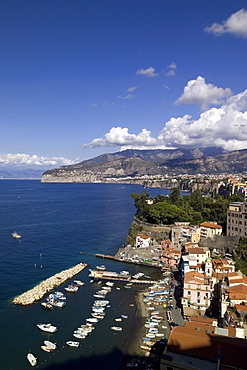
[(21, 174), (130, 164)]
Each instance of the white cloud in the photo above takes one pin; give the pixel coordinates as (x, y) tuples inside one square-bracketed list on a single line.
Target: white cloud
[(224, 126), (131, 89), (149, 72), (198, 92), (25, 160), (170, 73), (173, 65), (120, 136), (236, 24)]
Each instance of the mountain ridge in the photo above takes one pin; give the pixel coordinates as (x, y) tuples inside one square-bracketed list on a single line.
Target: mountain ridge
[(133, 163)]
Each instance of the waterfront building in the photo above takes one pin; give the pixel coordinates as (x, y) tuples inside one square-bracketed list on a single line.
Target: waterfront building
[(142, 240), (183, 232), (237, 219)]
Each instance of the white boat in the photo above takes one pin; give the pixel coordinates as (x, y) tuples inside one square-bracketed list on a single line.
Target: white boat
[(79, 282), (117, 328), (72, 343), (47, 305), (124, 316), (46, 349), (79, 336), (49, 344), (71, 289), (118, 319), (16, 236), (32, 359), (47, 327), (101, 267), (92, 319)]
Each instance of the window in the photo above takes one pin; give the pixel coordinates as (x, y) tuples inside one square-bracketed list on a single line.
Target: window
[(198, 286), (198, 294), (189, 292), (198, 301)]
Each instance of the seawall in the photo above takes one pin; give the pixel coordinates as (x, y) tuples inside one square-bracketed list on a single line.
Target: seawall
[(47, 285)]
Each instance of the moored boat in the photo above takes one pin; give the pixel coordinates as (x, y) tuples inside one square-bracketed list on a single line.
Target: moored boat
[(49, 344), (72, 343), (117, 328), (32, 359), (47, 327), (46, 349), (47, 305)]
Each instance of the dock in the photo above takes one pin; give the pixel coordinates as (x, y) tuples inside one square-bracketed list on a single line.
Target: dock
[(46, 286)]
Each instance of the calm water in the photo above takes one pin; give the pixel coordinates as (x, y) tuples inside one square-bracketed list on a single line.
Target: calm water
[(58, 221)]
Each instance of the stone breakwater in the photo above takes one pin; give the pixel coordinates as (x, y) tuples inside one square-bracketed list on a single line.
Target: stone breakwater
[(48, 285)]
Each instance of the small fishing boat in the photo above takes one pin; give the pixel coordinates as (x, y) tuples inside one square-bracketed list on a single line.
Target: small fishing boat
[(32, 359), (79, 282), (79, 336), (47, 305), (145, 348), (71, 289), (118, 319), (46, 349), (16, 236), (49, 344), (117, 328), (124, 316), (101, 267), (47, 327), (72, 343), (92, 319)]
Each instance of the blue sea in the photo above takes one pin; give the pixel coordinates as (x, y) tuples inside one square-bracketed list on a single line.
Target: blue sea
[(57, 222)]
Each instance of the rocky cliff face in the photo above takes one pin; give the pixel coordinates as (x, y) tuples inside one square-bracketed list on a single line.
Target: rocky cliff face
[(110, 167)]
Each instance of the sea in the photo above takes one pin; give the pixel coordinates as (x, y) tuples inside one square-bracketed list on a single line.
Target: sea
[(57, 222)]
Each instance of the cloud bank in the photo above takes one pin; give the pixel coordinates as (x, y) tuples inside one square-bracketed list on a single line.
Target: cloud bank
[(236, 24), (224, 126), (25, 160)]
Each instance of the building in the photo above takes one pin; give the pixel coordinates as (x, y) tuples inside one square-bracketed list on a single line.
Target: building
[(209, 229), (199, 345), (142, 241), (237, 219), (196, 293)]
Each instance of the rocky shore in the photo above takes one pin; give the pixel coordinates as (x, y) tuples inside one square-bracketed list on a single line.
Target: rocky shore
[(48, 285)]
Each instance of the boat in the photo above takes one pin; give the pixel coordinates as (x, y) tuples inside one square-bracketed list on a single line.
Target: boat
[(72, 343), (49, 344), (101, 267), (145, 348), (47, 305), (46, 349), (92, 319), (79, 336), (16, 236), (109, 275), (32, 359), (118, 319), (47, 327), (71, 288), (117, 328), (79, 282), (124, 316)]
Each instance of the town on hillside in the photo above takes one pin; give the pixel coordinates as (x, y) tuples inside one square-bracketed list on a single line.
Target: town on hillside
[(210, 291)]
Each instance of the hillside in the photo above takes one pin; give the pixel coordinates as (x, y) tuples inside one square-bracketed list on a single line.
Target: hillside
[(134, 163)]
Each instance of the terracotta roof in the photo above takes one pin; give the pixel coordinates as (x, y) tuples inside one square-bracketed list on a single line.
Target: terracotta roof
[(193, 275), (237, 295), (195, 250), (143, 236), (237, 289), (199, 340), (211, 225), (202, 319)]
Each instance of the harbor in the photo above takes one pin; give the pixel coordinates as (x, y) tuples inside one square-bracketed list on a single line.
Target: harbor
[(46, 286)]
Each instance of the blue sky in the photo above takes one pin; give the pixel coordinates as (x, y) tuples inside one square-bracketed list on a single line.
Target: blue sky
[(81, 78)]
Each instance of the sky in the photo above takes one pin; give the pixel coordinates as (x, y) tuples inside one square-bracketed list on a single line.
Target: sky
[(79, 78)]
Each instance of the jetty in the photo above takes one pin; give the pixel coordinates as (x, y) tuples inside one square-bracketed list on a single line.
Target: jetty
[(36, 293)]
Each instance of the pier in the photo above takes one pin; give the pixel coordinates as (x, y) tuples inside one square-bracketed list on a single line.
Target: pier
[(46, 286)]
